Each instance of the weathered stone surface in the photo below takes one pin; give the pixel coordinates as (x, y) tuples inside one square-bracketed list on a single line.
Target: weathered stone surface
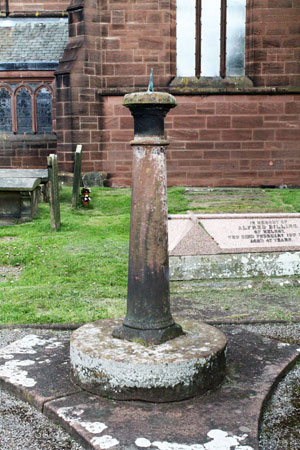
[(25, 173), (234, 246), (234, 233), (232, 411), (93, 179), (261, 231), (149, 98), (180, 368), (148, 316), (19, 199), (242, 265), (33, 40), (228, 415), (19, 184), (77, 177), (42, 174), (25, 368), (54, 192), (148, 300)]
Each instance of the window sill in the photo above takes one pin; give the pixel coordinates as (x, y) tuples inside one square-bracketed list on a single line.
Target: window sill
[(205, 89), (230, 85), (211, 83), (11, 137)]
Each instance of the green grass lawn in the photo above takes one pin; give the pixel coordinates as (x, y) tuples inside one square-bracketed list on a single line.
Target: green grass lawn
[(79, 274)]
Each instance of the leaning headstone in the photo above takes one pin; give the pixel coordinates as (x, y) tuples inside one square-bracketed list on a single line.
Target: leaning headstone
[(54, 192), (77, 177), (93, 179)]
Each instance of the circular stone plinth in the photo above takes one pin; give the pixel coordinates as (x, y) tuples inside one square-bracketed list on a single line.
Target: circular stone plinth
[(181, 368), (149, 98)]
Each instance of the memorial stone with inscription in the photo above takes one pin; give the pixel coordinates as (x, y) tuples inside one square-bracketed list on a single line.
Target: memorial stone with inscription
[(254, 232), (234, 245)]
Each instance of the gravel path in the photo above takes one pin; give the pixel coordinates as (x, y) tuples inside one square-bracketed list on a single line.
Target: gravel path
[(280, 426), (24, 428)]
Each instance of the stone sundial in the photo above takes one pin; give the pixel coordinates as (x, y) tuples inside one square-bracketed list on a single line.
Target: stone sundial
[(148, 356)]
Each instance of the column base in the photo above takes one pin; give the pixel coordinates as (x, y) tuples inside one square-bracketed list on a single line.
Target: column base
[(181, 368), (147, 337)]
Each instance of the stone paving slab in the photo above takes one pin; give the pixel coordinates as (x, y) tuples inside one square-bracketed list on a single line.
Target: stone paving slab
[(37, 369)]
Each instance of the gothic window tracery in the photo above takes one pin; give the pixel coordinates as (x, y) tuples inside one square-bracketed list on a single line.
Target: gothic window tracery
[(26, 108), (24, 111), (44, 110), (5, 111)]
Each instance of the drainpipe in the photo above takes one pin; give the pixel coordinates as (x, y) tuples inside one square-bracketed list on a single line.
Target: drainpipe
[(6, 7)]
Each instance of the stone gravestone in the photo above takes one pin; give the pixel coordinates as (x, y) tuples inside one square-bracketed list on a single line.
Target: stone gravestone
[(77, 177), (54, 192), (93, 179), (224, 246)]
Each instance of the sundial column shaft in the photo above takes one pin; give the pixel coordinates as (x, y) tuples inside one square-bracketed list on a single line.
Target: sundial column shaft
[(148, 317)]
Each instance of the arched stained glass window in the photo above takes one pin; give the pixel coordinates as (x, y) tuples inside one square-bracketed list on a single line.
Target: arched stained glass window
[(44, 111), (5, 111), (24, 111)]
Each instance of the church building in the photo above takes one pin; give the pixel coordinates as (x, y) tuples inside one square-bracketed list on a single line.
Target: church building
[(233, 66)]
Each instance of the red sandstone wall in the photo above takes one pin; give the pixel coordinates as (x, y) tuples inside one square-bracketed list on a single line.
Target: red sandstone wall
[(236, 140), (139, 35), (215, 141), (78, 107), (136, 35), (273, 42), (28, 152), (34, 6)]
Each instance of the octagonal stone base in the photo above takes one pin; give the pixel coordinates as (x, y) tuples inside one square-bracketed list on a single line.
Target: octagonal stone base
[(181, 368)]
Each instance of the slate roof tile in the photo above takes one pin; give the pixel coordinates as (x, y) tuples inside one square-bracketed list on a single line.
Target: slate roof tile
[(33, 42)]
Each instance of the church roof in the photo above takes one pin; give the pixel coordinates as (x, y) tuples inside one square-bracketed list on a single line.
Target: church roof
[(32, 41)]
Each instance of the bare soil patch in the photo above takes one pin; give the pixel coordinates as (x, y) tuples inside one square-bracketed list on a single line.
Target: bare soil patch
[(9, 272), (7, 238)]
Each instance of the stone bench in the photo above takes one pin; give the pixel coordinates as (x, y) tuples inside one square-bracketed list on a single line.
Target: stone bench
[(19, 199)]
